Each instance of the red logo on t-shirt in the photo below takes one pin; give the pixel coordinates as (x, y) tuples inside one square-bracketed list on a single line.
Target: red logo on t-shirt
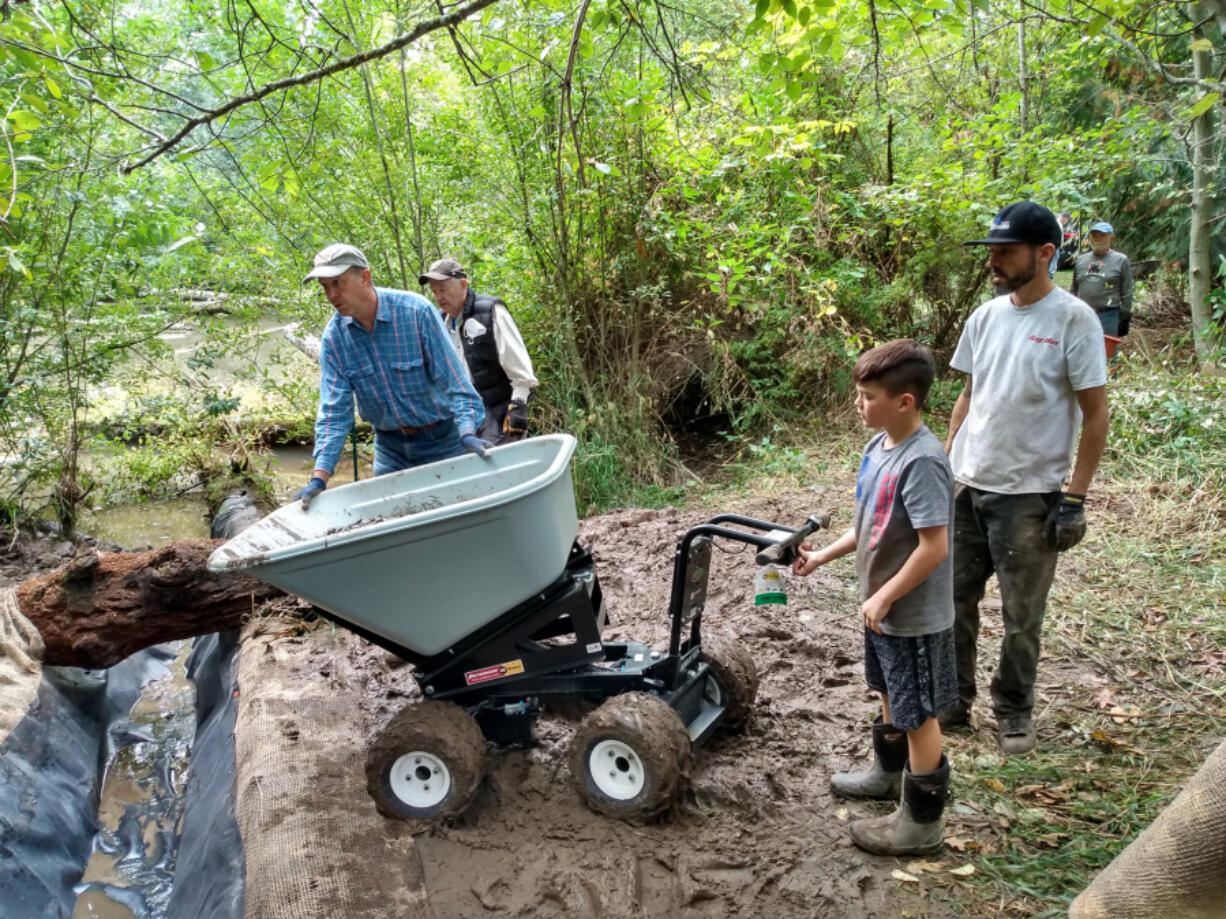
[(882, 507), (1045, 341)]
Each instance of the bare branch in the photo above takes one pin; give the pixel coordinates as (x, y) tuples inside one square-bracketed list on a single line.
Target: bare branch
[(565, 109), (1144, 59), (355, 60)]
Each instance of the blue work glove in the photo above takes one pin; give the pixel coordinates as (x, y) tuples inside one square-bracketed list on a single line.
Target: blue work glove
[(308, 491), (1066, 522), (474, 444)]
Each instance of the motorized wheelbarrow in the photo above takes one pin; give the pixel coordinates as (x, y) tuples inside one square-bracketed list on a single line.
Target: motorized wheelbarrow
[(469, 569)]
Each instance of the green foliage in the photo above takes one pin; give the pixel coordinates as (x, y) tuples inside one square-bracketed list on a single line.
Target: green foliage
[(768, 458), (694, 212), (1172, 420)]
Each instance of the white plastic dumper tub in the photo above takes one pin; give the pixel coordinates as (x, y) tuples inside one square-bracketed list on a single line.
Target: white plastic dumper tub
[(428, 555)]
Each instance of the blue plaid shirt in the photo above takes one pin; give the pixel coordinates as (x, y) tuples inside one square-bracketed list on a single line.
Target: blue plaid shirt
[(405, 373)]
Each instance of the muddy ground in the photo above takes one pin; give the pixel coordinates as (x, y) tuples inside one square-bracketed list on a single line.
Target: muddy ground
[(757, 833)]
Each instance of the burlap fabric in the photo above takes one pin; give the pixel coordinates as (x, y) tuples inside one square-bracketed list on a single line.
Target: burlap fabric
[(1176, 869), (21, 654), (315, 847)]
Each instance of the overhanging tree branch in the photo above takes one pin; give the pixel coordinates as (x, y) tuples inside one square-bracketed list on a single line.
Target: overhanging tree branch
[(1144, 59), (457, 15)]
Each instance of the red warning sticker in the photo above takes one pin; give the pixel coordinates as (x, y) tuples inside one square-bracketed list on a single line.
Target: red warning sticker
[(495, 672)]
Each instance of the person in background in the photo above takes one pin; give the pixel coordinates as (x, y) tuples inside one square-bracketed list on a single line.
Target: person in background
[(482, 330), (901, 537), (1036, 371), (1102, 278), (388, 350), (1065, 238)]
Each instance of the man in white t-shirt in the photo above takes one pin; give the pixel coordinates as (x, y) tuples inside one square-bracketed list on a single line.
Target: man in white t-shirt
[(1036, 369)]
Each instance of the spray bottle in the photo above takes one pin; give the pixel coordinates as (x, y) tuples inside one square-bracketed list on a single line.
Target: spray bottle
[(770, 587)]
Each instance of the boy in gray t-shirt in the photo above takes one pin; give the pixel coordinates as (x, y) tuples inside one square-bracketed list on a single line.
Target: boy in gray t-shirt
[(901, 537)]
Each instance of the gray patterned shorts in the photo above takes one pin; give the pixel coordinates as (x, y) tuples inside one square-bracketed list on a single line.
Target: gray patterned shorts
[(918, 673)]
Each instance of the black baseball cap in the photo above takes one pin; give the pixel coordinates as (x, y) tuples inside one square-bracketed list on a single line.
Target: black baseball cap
[(1023, 222), (442, 270)]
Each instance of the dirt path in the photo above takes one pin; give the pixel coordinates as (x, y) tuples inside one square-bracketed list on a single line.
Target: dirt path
[(756, 834)]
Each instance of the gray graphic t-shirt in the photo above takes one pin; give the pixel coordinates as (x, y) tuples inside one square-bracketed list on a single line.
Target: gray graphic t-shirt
[(1104, 282), (899, 490)]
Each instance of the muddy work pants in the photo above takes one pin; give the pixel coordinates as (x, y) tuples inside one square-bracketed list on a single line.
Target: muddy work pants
[(1004, 534), (491, 428)]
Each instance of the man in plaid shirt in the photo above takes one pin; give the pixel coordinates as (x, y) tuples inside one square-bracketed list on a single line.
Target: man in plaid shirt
[(388, 350)]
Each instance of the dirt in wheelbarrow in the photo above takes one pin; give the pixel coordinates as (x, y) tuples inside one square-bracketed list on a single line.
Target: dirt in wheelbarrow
[(756, 832)]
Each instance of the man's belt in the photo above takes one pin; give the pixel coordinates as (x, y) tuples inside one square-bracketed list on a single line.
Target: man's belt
[(409, 430)]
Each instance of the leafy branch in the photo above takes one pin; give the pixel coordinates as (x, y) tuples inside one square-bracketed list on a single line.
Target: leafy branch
[(209, 116)]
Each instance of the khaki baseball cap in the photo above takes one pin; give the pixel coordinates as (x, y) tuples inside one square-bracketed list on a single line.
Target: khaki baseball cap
[(442, 270), (335, 260)]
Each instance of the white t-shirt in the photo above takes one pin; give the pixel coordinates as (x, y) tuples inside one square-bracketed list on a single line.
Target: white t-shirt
[(1026, 366)]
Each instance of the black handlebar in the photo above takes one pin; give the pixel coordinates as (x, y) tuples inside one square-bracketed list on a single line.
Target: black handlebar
[(775, 543), (783, 550)]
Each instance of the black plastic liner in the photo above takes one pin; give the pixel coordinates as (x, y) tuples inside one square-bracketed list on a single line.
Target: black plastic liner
[(51, 770), (210, 878)]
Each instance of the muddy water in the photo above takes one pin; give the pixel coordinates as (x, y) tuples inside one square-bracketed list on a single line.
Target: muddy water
[(130, 874), (151, 524), (263, 356), (292, 466), (155, 523)]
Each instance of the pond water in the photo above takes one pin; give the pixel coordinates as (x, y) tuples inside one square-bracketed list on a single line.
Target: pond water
[(149, 524), (255, 368), (265, 357)]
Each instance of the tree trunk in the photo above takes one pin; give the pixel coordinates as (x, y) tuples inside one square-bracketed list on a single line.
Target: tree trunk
[(101, 607), (1023, 80), (1199, 258)]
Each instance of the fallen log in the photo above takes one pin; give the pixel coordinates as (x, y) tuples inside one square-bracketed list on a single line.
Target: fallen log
[(305, 342), (103, 606)]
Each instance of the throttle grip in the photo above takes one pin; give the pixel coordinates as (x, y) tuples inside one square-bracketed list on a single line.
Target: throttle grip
[(783, 550)]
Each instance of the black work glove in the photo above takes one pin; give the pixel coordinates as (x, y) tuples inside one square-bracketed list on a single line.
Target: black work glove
[(515, 425), (1125, 322), (308, 492), (1066, 522)]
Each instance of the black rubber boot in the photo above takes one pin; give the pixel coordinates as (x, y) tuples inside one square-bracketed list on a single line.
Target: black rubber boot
[(883, 780), (916, 827)]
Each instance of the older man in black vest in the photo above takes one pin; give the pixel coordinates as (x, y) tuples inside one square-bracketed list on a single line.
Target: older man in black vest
[(483, 331)]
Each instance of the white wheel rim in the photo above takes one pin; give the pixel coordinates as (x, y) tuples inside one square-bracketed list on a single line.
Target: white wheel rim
[(420, 779), (617, 770)]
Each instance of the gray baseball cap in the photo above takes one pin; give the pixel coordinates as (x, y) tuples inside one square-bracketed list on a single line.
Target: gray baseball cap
[(335, 260), (442, 270)]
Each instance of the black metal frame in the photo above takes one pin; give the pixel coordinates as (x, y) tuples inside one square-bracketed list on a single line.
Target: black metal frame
[(468, 673)]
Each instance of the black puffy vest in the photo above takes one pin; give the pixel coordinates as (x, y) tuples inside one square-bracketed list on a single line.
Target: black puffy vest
[(480, 353)]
